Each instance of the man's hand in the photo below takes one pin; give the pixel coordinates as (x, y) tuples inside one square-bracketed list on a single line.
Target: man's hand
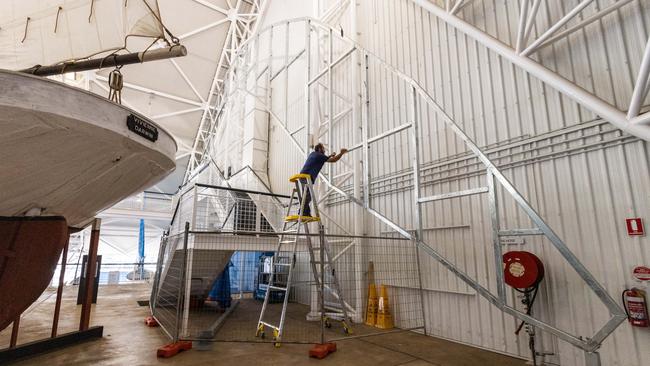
[(344, 151)]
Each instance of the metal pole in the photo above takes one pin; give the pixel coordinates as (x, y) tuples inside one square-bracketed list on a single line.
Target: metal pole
[(270, 71), (357, 125), (640, 87), (415, 151), (179, 300), (59, 289), (286, 75), (330, 102), (521, 30), (156, 283), (364, 127), (321, 232), (241, 274), (307, 90), (496, 241), (91, 268), (109, 61)]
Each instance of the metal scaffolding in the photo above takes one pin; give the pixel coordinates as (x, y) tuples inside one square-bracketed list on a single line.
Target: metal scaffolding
[(336, 74)]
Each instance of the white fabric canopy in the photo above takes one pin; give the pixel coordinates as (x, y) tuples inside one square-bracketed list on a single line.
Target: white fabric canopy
[(40, 32)]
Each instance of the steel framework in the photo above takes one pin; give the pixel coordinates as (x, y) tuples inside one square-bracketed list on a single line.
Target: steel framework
[(419, 99), (244, 24)]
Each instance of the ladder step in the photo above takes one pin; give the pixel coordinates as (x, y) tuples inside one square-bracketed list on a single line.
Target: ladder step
[(283, 264), (287, 241), (302, 219), (270, 325), (277, 288)]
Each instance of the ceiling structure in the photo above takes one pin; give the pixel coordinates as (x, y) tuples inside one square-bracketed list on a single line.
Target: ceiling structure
[(176, 93)]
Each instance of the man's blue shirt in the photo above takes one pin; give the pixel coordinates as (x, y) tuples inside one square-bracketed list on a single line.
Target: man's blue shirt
[(314, 164)]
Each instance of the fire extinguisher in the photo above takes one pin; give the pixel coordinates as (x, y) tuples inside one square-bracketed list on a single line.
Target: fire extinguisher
[(635, 307)]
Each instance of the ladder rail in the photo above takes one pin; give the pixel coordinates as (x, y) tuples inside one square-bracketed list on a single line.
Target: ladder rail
[(303, 189), (272, 274), (337, 293)]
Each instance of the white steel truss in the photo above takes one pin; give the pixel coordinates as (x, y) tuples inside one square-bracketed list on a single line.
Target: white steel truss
[(630, 121), (417, 100), (244, 19)]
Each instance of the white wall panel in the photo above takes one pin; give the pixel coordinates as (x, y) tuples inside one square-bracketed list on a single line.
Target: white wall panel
[(584, 196)]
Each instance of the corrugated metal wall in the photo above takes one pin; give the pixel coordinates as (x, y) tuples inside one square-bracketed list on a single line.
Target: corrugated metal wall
[(590, 181), (582, 175)]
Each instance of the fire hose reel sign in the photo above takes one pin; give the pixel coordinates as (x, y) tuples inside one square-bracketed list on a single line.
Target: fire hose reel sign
[(641, 273)]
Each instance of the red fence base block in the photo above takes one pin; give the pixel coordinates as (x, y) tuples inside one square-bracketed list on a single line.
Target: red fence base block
[(173, 349), (150, 321), (320, 351)]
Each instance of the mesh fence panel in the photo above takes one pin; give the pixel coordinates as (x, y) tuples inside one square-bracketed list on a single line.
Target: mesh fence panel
[(214, 313), (214, 290), (166, 292)]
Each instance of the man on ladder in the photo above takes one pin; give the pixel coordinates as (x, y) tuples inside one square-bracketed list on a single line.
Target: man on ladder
[(295, 226), (314, 164)]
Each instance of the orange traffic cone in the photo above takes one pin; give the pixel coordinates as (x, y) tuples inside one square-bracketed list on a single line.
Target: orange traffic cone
[(384, 318), (371, 311)]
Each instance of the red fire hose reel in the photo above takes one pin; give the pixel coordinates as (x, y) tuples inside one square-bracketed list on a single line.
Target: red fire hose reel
[(522, 270)]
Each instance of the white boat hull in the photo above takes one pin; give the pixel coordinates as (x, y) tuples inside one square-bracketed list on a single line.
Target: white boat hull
[(69, 152)]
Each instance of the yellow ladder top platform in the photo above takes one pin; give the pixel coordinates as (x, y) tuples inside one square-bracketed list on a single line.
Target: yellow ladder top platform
[(295, 177)]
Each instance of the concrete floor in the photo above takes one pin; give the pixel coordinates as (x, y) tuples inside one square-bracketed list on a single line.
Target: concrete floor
[(128, 342)]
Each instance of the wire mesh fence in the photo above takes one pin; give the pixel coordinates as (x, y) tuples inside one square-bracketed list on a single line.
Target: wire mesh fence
[(212, 278), (165, 301), (223, 292)]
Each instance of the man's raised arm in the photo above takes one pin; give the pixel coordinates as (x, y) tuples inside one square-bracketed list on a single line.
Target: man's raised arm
[(336, 157)]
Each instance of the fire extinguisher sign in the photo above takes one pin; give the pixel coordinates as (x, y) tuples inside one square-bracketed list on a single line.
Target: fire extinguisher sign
[(635, 226)]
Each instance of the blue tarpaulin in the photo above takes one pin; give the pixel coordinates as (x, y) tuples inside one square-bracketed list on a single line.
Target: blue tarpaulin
[(243, 273), (240, 273), (221, 289)]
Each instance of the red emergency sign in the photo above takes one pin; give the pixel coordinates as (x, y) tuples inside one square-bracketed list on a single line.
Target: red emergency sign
[(641, 273), (635, 226)]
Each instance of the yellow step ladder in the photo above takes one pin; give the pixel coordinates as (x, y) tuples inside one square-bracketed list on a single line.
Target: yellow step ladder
[(295, 226)]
